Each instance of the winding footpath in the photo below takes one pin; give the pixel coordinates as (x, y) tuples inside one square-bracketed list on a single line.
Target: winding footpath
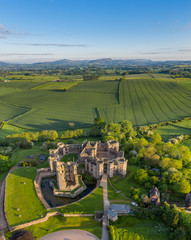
[(105, 233)]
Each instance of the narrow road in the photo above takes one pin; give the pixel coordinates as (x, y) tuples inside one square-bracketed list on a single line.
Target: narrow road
[(70, 235), (105, 233)]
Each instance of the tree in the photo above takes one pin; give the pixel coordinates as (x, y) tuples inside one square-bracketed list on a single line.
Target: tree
[(156, 138), (127, 129), (179, 234), (141, 176), (174, 177), (4, 163), (183, 186), (22, 234)]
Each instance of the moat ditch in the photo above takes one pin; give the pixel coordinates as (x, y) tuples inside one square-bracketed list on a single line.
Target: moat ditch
[(61, 201)]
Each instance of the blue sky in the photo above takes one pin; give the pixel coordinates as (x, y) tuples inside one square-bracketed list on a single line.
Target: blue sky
[(46, 30)]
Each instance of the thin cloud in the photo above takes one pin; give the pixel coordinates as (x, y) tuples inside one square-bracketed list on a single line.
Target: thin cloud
[(51, 45), (5, 32), (184, 50), (26, 54)]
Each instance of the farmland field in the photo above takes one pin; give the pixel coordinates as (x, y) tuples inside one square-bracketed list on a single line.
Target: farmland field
[(184, 124), (149, 101), (142, 101), (55, 85), (171, 131)]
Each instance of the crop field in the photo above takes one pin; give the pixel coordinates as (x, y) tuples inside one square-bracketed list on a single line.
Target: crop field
[(184, 124), (55, 85), (149, 101), (57, 110), (139, 76), (97, 86), (38, 106), (19, 85), (161, 76)]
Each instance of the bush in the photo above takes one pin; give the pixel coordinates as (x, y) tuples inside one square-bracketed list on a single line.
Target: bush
[(26, 144)]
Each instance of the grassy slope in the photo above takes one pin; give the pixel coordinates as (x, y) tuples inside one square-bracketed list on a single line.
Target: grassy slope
[(90, 204), (115, 197), (23, 197), (149, 229), (124, 184), (59, 223)]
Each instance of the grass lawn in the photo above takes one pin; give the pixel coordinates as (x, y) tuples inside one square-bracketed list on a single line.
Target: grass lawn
[(171, 131), (90, 204), (149, 229), (70, 158), (58, 223), (23, 197), (124, 184), (116, 197)]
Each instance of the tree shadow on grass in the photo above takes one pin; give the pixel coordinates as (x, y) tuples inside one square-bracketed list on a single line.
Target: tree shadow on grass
[(25, 172), (57, 124)]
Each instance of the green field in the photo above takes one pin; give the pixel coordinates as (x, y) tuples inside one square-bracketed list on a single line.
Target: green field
[(171, 131), (21, 202), (149, 101), (58, 223), (124, 184), (184, 124), (55, 85), (142, 101)]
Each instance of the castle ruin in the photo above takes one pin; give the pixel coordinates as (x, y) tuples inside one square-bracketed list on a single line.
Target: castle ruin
[(98, 158)]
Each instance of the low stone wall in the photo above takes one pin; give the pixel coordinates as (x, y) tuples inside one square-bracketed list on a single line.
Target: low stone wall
[(98, 184), (37, 184), (33, 222)]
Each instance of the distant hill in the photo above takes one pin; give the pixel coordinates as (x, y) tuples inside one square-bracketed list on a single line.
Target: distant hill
[(96, 62), (101, 62), (3, 64)]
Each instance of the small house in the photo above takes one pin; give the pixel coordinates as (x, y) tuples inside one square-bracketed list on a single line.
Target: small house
[(155, 196), (188, 200)]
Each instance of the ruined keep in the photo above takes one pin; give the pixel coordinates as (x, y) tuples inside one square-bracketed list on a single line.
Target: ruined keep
[(98, 158)]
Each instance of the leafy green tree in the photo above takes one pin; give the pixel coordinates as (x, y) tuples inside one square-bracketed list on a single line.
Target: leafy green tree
[(4, 163), (183, 186), (179, 234), (141, 176), (156, 138), (174, 177)]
